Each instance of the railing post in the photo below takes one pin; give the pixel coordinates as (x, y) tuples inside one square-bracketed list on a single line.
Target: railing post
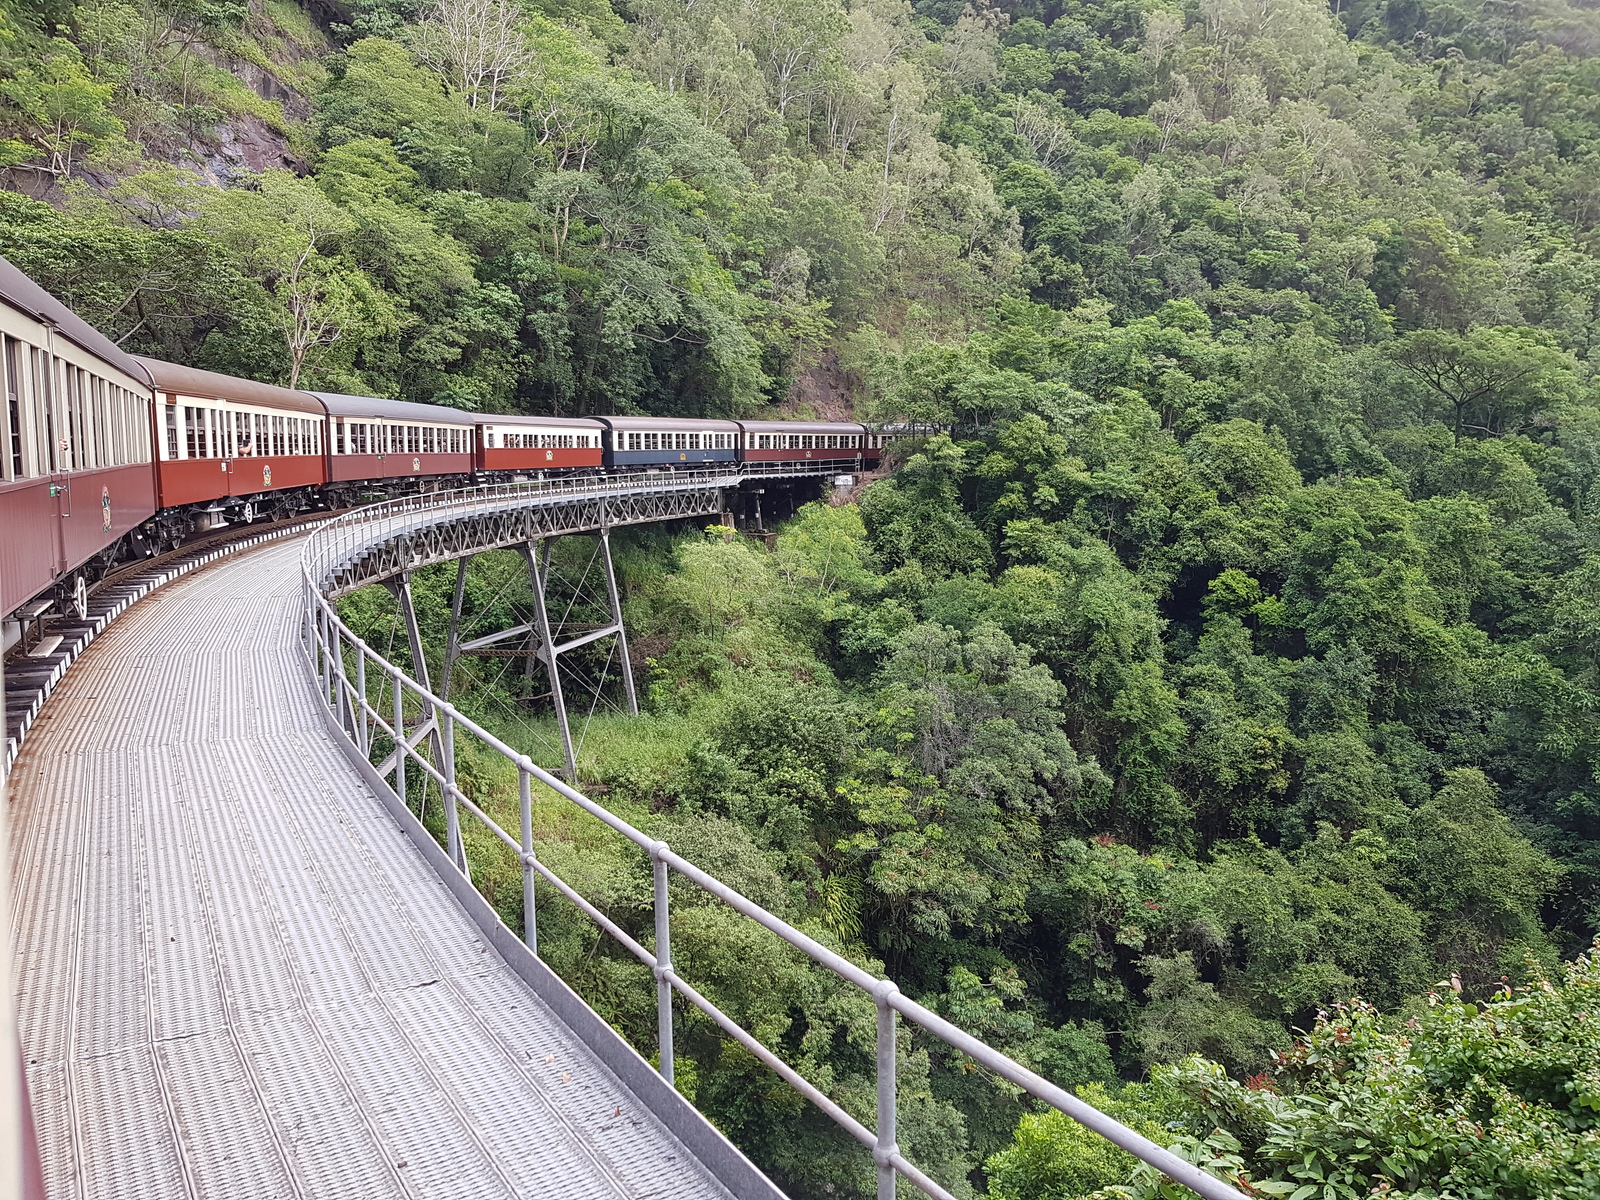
[(447, 768), (663, 971), (322, 651), (363, 729), (530, 919), (399, 737), (884, 1151)]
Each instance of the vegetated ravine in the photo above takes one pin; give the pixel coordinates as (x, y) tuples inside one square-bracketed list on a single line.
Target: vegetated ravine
[(1208, 717)]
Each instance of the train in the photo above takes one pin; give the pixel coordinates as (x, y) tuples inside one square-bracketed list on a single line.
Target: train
[(107, 456)]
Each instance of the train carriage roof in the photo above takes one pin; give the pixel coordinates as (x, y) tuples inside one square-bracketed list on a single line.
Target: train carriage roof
[(23, 294), (209, 385), (588, 423), (693, 424), (378, 409), (803, 427)]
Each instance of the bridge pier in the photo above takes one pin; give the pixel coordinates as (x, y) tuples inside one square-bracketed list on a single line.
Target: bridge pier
[(439, 740), (542, 634)]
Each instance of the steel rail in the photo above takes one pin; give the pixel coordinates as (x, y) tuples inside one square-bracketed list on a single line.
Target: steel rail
[(325, 639)]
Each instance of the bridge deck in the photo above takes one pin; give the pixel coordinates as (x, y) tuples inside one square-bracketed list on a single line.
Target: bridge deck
[(238, 978)]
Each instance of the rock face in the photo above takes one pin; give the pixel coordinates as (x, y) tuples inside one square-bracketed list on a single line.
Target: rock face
[(246, 144), (243, 146), (824, 388)]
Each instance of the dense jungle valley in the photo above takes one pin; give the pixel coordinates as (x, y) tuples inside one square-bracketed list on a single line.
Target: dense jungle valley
[(1203, 708)]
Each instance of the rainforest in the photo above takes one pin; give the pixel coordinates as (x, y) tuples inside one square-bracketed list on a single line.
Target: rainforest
[(1204, 704)]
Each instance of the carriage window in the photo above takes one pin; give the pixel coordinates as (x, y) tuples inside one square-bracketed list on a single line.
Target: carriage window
[(88, 434), (108, 405), (694, 441), (70, 436), (14, 407), (100, 421), (633, 441), (191, 426)]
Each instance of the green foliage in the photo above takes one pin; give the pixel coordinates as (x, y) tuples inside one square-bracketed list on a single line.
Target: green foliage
[(1219, 647), (1461, 1100)]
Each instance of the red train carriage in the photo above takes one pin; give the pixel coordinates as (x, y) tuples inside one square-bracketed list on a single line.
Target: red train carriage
[(231, 449), (842, 443), (76, 486), (388, 444), (523, 444)]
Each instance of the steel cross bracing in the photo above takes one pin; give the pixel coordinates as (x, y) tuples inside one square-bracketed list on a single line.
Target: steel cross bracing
[(376, 542), (377, 707)]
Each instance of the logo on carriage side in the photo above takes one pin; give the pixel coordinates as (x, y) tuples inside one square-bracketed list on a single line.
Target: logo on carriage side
[(549, 456), (683, 458), (416, 464), (105, 509), (266, 474)]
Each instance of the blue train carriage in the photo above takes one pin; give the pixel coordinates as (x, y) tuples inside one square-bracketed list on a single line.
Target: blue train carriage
[(655, 443)]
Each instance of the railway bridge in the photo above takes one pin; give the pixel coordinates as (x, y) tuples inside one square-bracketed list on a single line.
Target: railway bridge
[(244, 967)]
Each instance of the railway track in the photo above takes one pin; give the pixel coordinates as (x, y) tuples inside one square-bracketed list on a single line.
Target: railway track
[(35, 666)]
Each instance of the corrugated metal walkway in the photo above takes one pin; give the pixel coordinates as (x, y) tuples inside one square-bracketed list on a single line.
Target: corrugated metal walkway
[(238, 978)]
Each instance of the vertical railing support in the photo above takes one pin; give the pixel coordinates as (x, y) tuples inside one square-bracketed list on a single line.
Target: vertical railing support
[(885, 1150), (663, 971), (530, 918), (452, 810), (322, 651), (345, 709), (399, 738), (363, 727)]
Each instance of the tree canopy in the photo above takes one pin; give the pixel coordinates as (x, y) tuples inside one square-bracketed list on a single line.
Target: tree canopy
[(1218, 660)]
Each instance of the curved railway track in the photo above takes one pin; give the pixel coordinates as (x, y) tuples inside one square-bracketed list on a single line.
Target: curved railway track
[(35, 666)]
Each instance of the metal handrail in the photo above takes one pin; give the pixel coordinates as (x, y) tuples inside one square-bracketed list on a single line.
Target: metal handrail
[(326, 639)]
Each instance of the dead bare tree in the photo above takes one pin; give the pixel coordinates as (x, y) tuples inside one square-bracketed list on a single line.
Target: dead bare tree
[(477, 45)]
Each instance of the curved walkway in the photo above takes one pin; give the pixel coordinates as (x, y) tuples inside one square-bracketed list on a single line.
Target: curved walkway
[(237, 977)]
